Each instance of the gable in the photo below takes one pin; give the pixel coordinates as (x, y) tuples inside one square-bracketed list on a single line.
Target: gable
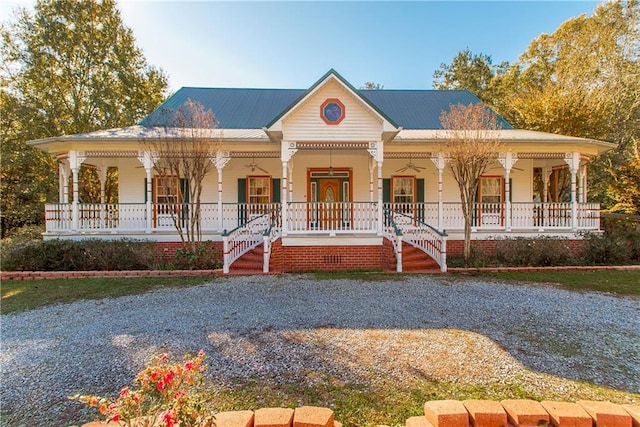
[(306, 122)]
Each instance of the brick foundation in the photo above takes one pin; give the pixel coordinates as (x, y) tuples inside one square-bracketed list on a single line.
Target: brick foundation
[(331, 258)]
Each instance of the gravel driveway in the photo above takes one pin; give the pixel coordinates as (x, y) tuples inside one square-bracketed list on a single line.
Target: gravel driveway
[(283, 327)]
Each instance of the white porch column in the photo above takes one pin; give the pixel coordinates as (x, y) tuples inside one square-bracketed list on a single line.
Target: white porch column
[(63, 191), (290, 169), (287, 150), (372, 166), (376, 150), (148, 159), (440, 161), (75, 161), (583, 184), (507, 160), (573, 160), (220, 161)]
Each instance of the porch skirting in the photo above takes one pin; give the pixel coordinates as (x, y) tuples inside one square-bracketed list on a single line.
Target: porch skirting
[(296, 258)]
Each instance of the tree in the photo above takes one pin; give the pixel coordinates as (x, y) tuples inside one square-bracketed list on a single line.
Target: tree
[(474, 73), (584, 80), (372, 86), (68, 67), (186, 145), (472, 142)]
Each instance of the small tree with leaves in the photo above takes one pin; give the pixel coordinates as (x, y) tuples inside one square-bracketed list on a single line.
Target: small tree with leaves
[(186, 141), (372, 86), (472, 143)]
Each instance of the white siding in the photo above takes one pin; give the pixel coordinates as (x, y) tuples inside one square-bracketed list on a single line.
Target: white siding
[(305, 124), (131, 177)]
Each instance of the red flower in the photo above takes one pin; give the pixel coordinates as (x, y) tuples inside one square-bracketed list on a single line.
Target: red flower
[(124, 392), (188, 365), (168, 377), (160, 385), (115, 418), (164, 357), (170, 418)]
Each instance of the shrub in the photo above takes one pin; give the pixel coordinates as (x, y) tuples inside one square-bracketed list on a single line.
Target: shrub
[(617, 247), (82, 255), (537, 252), (204, 257), (166, 394)]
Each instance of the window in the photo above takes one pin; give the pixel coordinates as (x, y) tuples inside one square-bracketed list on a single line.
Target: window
[(491, 189), (491, 195), (259, 189), (403, 188), (166, 190), (166, 196)]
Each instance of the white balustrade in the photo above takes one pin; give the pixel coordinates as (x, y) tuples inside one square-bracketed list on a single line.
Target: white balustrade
[(318, 217)]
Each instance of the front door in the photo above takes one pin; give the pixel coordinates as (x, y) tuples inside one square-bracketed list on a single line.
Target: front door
[(329, 194), (329, 199)]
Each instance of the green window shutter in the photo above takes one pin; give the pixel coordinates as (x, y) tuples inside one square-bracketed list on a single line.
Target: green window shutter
[(276, 190), (474, 217), (420, 198), (184, 189), (242, 200), (386, 190), (184, 192)]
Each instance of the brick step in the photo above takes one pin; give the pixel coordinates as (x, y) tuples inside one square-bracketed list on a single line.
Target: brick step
[(414, 260), (249, 263)]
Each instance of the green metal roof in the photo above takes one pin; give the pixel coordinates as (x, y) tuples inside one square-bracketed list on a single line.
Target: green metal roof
[(240, 108)]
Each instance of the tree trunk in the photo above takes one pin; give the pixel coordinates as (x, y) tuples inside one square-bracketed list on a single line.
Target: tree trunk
[(467, 232)]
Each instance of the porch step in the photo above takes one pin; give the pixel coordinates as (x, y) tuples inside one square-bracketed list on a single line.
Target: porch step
[(249, 263), (416, 261)]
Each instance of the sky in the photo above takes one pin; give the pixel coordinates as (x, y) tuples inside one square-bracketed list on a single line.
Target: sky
[(268, 44)]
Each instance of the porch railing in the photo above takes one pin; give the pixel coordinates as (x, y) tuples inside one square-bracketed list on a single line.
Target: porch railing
[(243, 238), (423, 236), (322, 217), (392, 232), (317, 217), (270, 235)]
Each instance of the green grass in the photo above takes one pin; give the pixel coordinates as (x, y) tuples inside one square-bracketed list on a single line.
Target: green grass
[(614, 281), (22, 295), (18, 295), (385, 402)]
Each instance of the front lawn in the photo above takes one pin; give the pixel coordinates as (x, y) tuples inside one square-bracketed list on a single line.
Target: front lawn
[(622, 282), (22, 295)]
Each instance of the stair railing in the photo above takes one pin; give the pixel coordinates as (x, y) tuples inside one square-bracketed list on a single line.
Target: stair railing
[(424, 237), (270, 235), (242, 239), (392, 232)]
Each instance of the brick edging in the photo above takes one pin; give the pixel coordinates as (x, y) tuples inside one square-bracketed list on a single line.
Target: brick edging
[(452, 413), (31, 275), (534, 269)]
